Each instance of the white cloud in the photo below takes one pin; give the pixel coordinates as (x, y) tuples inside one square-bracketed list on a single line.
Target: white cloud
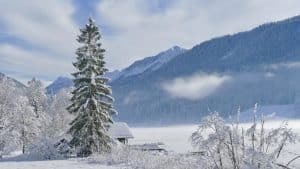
[(195, 87), (140, 31), (135, 29), (44, 24), (131, 98), (269, 75), (289, 65), (20, 62), (47, 28)]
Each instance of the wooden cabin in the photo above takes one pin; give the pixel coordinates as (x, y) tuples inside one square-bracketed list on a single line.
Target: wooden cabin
[(121, 132)]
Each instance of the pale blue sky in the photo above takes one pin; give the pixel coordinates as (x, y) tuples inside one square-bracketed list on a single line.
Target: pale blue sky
[(37, 38)]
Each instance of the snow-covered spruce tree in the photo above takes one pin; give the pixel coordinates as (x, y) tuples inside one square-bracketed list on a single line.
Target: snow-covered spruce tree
[(91, 100)]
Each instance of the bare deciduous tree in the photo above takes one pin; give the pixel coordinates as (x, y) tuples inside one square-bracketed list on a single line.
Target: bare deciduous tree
[(230, 147)]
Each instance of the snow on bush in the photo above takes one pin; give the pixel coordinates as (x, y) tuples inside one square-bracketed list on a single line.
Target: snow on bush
[(64, 148), (44, 149), (129, 158), (229, 146)]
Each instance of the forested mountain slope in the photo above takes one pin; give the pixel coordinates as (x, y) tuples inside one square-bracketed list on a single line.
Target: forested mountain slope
[(260, 65)]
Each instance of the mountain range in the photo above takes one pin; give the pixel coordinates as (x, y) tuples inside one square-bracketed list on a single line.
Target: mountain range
[(261, 65), (18, 84), (150, 64), (147, 64), (58, 84)]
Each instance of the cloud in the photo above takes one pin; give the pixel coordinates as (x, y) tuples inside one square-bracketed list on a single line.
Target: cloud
[(195, 87), (131, 98), (15, 60), (43, 24), (269, 75), (143, 28), (289, 65), (43, 38), (133, 29)]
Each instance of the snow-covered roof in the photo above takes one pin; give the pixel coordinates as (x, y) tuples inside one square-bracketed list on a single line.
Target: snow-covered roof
[(120, 130), (150, 146)]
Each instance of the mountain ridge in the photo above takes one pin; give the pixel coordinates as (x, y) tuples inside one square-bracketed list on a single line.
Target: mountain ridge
[(242, 55), (138, 67), (18, 84), (249, 58), (151, 63)]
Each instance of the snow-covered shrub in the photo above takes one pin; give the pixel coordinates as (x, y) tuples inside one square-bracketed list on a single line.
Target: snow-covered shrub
[(135, 159), (44, 149), (8, 142), (64, 148), (229, 146)]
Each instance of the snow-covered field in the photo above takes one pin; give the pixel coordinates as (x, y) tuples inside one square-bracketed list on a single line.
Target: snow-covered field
[(176, 139), (53, 164)]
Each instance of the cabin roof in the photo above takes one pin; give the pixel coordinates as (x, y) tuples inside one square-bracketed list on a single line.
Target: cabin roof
[(150, 146), (120, 130)]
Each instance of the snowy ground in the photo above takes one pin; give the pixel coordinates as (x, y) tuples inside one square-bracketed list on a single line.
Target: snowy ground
[(175, 137), (55, 164)]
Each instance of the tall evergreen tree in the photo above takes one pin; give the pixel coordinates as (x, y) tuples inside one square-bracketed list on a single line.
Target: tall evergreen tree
[(91, 100)]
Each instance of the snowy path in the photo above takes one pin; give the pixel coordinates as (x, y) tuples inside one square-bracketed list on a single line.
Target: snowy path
[(55, 164)]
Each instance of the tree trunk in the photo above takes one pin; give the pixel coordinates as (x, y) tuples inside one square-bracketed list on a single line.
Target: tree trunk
[(234, 160), (23, 148), (220, 157)]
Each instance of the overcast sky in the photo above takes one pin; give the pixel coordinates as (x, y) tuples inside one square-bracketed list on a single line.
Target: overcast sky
[(37, 38)]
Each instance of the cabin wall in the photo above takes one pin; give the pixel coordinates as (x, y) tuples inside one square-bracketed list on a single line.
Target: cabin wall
[(123, 140)]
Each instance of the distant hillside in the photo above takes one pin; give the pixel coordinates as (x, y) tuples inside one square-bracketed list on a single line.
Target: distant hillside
[(263, 65), (58, 84), (113, 75), (150, 64), (267, 44), (18, 84), (273, 112)]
